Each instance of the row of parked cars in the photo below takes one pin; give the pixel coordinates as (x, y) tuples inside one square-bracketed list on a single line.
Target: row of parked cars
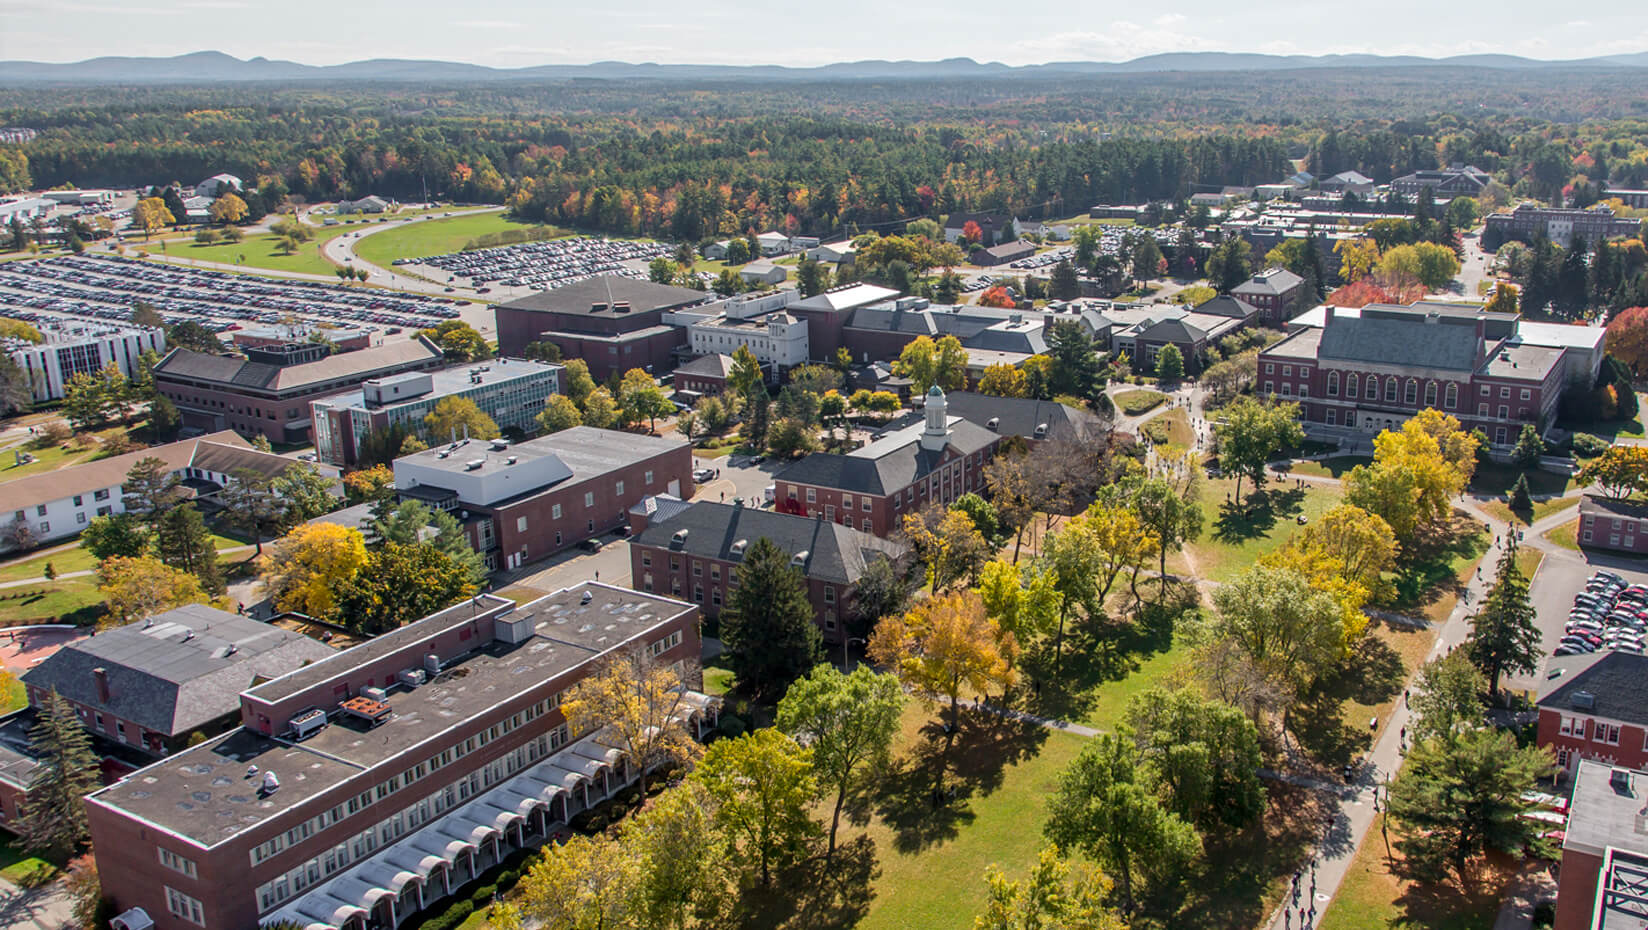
[(1608, 614), (1045, 259), (106, 288), (543, 265)]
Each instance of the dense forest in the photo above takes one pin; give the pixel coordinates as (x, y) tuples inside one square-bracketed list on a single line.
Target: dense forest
[(693, 161)]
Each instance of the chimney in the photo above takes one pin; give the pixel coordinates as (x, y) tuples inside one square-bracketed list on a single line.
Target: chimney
[(102, 675)]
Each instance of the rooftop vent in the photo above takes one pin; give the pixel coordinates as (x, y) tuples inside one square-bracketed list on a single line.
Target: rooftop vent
[(270, 783), (1041, 430), (432, 664), (473, 464), (586, 597), (1583, 700), (188, 635), (1620, 781), (679, 539), (739, 547), (600, 306), (800, 558), (621, 306), (512, 459), (499, 445), (992, 424), (230, 649)]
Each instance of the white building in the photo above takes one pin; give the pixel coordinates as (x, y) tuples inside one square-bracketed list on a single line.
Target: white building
[(369, 204), (763, 324), (24, 209), (85, 198), (217, 184), (81, 347), (773, 243), (763, 272), (833, 252), (58, 504)]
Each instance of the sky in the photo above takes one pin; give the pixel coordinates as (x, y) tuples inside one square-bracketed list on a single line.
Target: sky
[(519, 33)]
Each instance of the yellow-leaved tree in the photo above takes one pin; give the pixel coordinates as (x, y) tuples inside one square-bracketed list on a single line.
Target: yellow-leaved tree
[(638, 701), (141, 586), (1416, 472), (1345, 554), (945, 647), (305, 569)]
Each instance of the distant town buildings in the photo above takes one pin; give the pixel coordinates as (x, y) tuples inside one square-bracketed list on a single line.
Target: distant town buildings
[(1561, 226), (1456, 180)]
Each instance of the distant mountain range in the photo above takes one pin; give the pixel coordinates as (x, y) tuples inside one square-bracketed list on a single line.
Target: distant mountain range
[(214, 67)]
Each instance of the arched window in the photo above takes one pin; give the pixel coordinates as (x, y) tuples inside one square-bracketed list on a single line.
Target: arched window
[(1350, 386), (1430, 393), (1411, 395), (1390, 390), (1450, 397), (1333, 384), (1373, 388)]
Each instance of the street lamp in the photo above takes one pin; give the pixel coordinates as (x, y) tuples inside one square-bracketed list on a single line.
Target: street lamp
[(844, 644)]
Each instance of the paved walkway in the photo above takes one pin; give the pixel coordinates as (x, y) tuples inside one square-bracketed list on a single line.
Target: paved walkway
[(1063, 726), (43, 908)]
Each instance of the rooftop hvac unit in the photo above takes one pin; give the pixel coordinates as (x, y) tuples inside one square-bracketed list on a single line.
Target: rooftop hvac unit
[(1620, 781), (309, 722), (374, 694), (800, 558), (474, 464), (586, 597), (1041, 430), (410, 677), (270, 783), (1583, 700), (431, 665), (514, 630), (992, 424), (679, 539)]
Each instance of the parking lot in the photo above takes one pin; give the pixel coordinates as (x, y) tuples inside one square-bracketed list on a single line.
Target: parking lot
[(106, 287), (539, 265), (1562, 575)]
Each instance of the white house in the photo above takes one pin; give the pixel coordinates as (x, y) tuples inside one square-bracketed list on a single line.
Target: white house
[(773, 243), (368, 204), (217, 184), (717, 251), (196, 209), (803, 243), (835, 252), (58, 504), (763, 272), (80, 347)]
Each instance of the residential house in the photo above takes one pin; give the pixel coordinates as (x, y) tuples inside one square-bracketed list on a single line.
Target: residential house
[(773, 243), (993, 227), (763, 272), (1273, 293), (1002, 254)]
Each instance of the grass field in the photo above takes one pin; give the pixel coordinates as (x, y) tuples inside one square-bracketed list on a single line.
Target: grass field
[(432, 237), (1134, 403), (1372, 898), (69, 560), (260, 251), (1499, 479), (1542, 509), (1233, 541), (1336, 467), (20, 868), (73, 600), (1566, 535), (50, 458)]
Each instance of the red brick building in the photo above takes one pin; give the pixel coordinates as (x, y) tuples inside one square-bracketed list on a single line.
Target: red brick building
[(524, 502), (1604, 851), (706, 374), (612, 322), (1272, 292), (370, 785), (692, 552), (873, 487), (1597, 709), (1605, 523)]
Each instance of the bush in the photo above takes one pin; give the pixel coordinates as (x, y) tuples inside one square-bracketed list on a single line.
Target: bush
[(730, 726), (1588, 446), (483, 894)]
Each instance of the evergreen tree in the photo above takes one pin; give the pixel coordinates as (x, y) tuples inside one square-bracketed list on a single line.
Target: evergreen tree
[(1503, 636), (164, 419), (1522, 500), (150, 490), (53, 818), (1169, 363), (1064, 285), (1529, 447), (767, 628), (182, 541)]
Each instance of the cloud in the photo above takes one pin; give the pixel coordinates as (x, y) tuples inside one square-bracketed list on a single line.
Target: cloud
[(487, 24), (1121, 41), (216, 5)]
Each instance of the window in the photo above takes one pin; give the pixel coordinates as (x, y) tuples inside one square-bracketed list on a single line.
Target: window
[(45, 526), (1390, 390), (1333, 384), (812, 495), (102, 495), (1350, 386), (1450, 397), (77, 500), (829, 620), (185, 907), (1304, 390), (864, 504), (1373, 388), (1504, 412), (555, 512), (649, 477), (618, 489), (40, 510), (697, 569), (589, 498), (1481, 410), (1430, 393), (829, 594), (1572, 726), (646, 559), (1287, 371), (1411, 394), (520, 524), (1270, 369), (1606, 733), (175, 862), (1270, 388), (1333, 417), (846, 501), (1527, 394)]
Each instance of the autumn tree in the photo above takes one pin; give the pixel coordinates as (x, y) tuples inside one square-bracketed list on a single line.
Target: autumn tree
[(559, 413), (53, 816), (150, 214), (134, 587), (1627, 339), (399, 583), (228, 209), (1253, 431), (1357, 258), (1447, 697), (369, 485), (578, 382), (457, 418), (1266, 640), (1055, 896), (1002, 380), (639, 396), (600, 410), (947, 543), (1504, 299), (1620, 471), (638, 702), (585, 883), (768, 626), (944, 646), (926, 363), (674, 843), (308, 566), (848, 720), (1416, 472), (1173, 516), (762, 784), (1205, 754), (458, 341)]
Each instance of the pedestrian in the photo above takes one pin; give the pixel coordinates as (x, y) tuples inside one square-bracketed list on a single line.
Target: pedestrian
[(597, 574), (1403, 734), (1404, 698)]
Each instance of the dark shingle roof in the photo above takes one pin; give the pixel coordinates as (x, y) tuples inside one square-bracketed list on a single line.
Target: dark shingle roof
[(581, 296), (1228, 306), (1017, 416), (178, 669), (706, 366), (834, 552), (1270, 281), (227, 370), (1406, 339), (892, 467), (1176, 330), (1617, 682)]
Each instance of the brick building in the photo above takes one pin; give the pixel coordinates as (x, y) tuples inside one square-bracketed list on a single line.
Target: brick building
[(1612, 524), (268, 392), (1272, 293), (612, 322), (510, 391), (1597, 710), (827, 315), (1604, 851), (1562, 226), (1371, 369), (525, 501), (872, 488), (367, 786), (706, 374), (693, 553)]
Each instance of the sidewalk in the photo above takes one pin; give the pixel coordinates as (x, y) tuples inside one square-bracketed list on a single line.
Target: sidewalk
[(43, 908)]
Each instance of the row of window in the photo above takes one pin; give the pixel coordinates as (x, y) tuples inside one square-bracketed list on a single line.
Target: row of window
[(305, 875), (1605, 733), (181, 905), (427, 767)]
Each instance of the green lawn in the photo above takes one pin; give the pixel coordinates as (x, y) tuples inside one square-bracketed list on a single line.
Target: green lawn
[(1566, 535), (50, 458), (72, 560), (21, 868), (1335, 467), (260, 251), (1542, 509), (431, 237), (1134, 403), (1233, 541), (75, 600), (1499, 479), (1371, 898)]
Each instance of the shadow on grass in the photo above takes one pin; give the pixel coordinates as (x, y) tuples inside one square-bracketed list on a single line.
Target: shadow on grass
[(1103, 651), (1231, 886), (1454, 904), (927, 797), (824, 893), (1426, 571), (1256, 514), (1371, 676)]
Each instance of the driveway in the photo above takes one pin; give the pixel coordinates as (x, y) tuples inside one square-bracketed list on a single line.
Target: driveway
[(43, 908), (1561, 575)]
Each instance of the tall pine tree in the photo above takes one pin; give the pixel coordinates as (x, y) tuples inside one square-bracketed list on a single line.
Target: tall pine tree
[(768, 627), (182, 541), (1503, 636), (53, 818)]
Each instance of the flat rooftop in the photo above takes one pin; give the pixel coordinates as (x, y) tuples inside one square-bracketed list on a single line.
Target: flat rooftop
[(446, 381), (205, 795), (1521, 361), (1606, 810)]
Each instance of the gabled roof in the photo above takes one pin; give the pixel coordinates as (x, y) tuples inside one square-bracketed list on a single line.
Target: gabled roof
[(985, 220), (580, 297), (1228, 306), (1412, 339), (1018, 416), (1269, 281), (1351, 177), (212, 451), (1172, 330), (888, 464), (1597, 504), (1616, 681), (834, 553), (231, 371), (178, 669), (846, 298), (706, 366)]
